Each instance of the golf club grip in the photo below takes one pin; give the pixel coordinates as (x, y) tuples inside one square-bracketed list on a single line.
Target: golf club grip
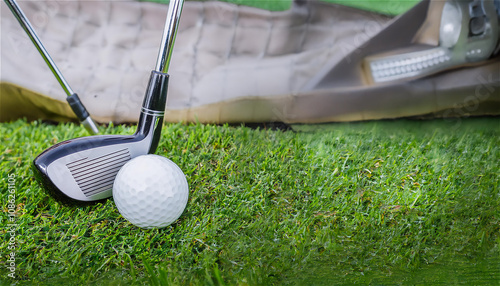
[(77, 107)]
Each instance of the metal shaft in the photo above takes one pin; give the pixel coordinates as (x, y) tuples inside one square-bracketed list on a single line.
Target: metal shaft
[(169, 34), (38, 44), (73, 99)]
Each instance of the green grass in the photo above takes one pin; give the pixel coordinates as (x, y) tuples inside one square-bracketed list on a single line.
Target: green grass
[(270, 207), (390, 7)]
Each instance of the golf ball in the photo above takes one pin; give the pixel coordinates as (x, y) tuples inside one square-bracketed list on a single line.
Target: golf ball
[(150, 191)]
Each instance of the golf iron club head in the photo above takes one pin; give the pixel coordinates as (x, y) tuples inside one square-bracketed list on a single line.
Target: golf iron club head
[(468, 34), (82, 170)]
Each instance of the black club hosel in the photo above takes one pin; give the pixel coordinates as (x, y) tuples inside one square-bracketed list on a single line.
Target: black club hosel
[(153, 109), (156, 93), (77, 107)]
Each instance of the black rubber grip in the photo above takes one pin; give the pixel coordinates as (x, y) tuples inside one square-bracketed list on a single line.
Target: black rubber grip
[(77, 106), (156, 94)]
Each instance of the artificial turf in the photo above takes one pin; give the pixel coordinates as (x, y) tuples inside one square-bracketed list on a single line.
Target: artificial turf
[(331, 204), (338, 202)]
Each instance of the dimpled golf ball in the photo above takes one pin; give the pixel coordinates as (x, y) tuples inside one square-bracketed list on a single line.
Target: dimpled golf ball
[(150, 191)]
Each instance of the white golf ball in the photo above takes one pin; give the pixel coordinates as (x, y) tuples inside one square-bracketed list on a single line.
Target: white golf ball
[(150, 191)]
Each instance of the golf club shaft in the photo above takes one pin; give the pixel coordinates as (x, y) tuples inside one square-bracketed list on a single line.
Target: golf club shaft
[(83, 170), (169, 34), (154, 104), (73, 99)]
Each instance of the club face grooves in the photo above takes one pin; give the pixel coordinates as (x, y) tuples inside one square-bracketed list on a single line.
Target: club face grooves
[(86, 171), (97, 175), (55, 193), (88, 174), (58, 168), (87, 166)]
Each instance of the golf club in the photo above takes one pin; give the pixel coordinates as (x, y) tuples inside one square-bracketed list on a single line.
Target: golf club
[(82, 170), (468, 34), (73, 99)]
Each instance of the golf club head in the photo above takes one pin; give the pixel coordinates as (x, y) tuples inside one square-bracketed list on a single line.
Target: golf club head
[(468, 34), (82, 170)]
